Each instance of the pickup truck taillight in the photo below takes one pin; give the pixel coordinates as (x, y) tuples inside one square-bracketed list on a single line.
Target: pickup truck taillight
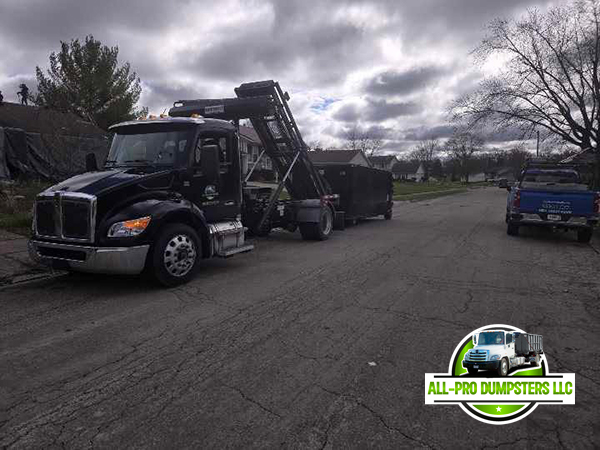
[(517, 199), (597, 203)]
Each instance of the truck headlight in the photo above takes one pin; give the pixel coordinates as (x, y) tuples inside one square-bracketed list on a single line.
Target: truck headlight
[(129, 227), (494, 357)]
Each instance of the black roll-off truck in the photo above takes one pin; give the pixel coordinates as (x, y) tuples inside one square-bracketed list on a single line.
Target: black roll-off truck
[(171, 191)]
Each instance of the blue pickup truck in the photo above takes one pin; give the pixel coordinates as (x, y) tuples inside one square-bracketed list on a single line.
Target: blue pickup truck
[(552, 195)]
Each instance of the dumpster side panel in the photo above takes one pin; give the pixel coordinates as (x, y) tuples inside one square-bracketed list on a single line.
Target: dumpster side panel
[(526, 343), (364, 191)]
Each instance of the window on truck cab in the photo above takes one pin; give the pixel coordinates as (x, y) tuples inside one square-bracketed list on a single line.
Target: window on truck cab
[(491, 338), (550, 177), (509, 338)]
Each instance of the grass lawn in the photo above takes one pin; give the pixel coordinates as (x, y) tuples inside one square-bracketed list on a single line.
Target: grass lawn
[(423, 191), (16, 202)]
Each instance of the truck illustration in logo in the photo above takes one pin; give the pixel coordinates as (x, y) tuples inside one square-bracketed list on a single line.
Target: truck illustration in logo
[(501, 350)]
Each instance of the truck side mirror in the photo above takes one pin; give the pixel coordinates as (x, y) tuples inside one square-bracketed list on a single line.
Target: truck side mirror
[(91, 165), (209, 162), (474, 339)]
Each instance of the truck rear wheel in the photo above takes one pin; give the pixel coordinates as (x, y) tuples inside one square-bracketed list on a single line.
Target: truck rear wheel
[(584, 235), (503, 368), (512, 229), (175, 254), (321, 230)]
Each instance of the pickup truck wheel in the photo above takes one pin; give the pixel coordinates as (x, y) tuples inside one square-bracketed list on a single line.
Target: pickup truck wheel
[(584, 235), (318, 231), (512, 229), (175, 254), (503, 368), (472, 371)]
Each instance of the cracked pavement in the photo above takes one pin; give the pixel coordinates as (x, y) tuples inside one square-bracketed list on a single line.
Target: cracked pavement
[(272, 348)]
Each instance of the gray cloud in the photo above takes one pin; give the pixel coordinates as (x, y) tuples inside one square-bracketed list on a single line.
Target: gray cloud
[(402, 83), (425, 133), (194, 48)]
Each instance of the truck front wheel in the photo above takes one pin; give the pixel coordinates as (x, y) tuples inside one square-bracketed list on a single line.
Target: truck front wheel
[(584, 235), (175, 254), (503, 368), (472, 371), (318, 231)]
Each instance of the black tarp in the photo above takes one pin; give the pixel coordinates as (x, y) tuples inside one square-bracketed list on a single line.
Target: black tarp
[(51, 157)]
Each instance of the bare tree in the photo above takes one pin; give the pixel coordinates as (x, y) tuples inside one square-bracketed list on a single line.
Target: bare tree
[(357, 139), (425, 153), (550, 77), (462, 146)]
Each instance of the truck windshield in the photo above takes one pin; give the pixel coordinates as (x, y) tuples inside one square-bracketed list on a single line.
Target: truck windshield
[(493, 338), (149, 145)]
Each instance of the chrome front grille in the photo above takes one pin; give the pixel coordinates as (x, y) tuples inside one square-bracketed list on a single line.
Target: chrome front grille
[(69, 216), (478, 355)]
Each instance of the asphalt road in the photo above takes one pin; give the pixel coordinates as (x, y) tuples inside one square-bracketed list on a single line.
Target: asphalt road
[(272, 348)]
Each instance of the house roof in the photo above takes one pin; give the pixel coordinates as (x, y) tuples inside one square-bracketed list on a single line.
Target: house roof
[(333, 156), (35, 119), (406, 167), (250, 135), (383, 159)]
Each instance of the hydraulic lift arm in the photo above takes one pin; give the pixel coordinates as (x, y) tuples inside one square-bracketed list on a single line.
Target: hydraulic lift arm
[(265, 104)]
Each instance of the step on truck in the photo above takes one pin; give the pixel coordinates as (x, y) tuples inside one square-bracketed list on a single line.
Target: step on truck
[(500, 351), (554, 196), (171, 191)]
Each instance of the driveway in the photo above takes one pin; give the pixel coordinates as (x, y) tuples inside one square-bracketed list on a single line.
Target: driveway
[(304, 344)]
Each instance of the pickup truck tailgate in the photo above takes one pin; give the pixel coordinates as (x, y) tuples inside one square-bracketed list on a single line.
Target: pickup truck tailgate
[(575, 203)]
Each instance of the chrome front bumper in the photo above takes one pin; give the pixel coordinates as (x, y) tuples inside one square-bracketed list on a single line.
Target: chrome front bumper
[(111, 260)]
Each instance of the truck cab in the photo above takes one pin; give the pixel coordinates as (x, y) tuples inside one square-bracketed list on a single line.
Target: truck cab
[(169, 194), (499, 351)]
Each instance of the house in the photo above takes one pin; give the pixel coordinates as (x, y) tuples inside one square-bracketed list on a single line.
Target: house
[(250, 149), (408, 171), (475, 177), (324, 157), (43, 143), (384, 162)]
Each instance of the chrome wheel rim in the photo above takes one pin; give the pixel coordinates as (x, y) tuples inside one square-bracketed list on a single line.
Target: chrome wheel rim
[(179, 255), (326, 222), (504, 367)]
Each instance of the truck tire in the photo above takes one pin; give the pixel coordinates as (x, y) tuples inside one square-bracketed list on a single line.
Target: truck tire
[(175, 255), (503, 367), (472, 371), (512, 229), (318, 231), (584, 236)]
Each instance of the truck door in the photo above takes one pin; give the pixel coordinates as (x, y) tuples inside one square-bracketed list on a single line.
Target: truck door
[(510, 346), (218, 199)]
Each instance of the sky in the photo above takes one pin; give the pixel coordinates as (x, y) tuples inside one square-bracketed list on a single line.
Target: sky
[(389, 67)]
